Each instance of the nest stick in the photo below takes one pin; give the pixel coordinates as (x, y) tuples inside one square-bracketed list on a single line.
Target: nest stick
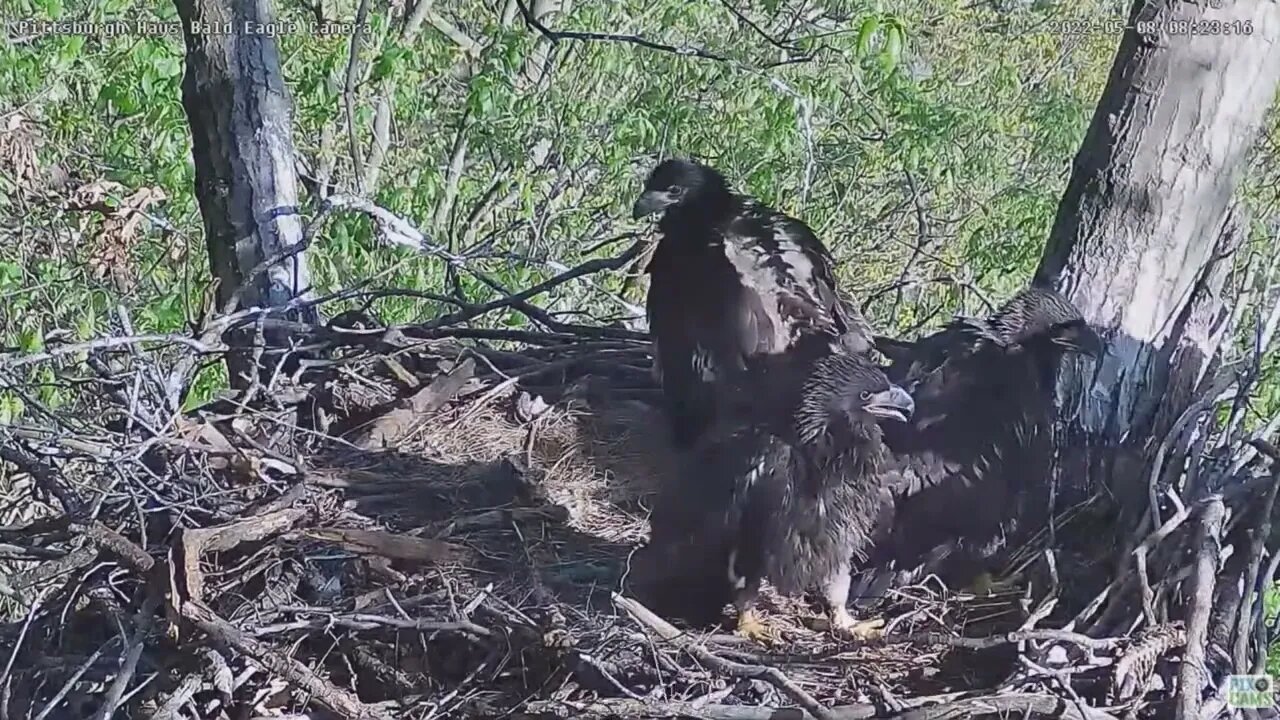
[(326, 694), (1192, 673), (133, 653), (1253, 593), (773, 676)]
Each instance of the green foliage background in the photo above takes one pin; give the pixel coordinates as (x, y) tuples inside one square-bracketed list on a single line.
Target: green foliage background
[(932, 124), (927, 142)]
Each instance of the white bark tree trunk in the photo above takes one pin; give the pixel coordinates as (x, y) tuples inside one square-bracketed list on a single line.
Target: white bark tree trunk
[(1142, 228)]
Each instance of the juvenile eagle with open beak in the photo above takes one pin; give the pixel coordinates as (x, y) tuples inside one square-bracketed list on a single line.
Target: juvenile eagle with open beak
[(787, 492)]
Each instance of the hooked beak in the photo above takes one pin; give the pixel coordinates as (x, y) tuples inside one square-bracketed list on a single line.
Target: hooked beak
[(1086, 342), (649, 203), (894, 404)]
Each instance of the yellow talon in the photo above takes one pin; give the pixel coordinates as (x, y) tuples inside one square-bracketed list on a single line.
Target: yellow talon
[(752, 627), (843, 624)]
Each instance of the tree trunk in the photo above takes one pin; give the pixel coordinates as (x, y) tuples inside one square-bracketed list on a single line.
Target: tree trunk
[(241, 122), (1143, 236)]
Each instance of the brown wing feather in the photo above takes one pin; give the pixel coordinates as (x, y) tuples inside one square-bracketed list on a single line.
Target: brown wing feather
[(977, 447), (758, 284)]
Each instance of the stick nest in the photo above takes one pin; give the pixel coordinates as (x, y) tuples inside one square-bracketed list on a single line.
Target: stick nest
[(436, 521)]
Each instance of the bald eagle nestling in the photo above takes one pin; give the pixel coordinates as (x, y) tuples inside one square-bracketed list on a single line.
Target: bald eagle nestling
[(974, 462), (787, 494), (731, 280)]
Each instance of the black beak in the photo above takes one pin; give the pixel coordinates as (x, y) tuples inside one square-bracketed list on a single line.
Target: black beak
[(649, 203), (1087, 342), (894, 404)]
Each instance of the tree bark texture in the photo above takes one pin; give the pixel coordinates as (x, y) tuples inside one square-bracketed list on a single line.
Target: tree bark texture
[(1144, 233), (241, 123)]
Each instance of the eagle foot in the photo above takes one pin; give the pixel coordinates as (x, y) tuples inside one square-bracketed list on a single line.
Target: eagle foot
[(752, 627), (845, 626)]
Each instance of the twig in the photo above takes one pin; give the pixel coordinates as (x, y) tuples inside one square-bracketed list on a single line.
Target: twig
[(142, 625), (773, 676), (330, 697), (1266, 580), (349, 92), (557, 35), (1192, 674), (938, 639), (586, 268), (1254, 593), (45, 475), (17, 645), (365, 621), (107, 343), (787, 46), (71, 681)]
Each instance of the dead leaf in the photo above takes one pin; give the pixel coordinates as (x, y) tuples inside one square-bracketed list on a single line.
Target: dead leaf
[(118, 232), (19, 139)]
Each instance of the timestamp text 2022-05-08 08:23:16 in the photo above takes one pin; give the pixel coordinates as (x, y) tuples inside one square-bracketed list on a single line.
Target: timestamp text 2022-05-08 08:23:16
[(1151, 27)]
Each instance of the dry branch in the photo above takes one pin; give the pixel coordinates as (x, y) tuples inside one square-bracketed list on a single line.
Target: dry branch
[(1194, 674), (333, 699)]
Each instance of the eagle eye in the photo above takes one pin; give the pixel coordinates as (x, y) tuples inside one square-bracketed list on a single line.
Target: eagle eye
[(676, 190), (865, 395)]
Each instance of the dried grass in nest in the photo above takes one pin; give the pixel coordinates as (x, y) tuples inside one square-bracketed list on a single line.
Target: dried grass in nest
[(599, 460)]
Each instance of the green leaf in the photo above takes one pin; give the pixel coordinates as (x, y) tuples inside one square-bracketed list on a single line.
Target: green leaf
[(892, 48), (86, 324), (11, 408), (10, 275), (169, 67), (865, 32), (70, 50), (387, 62), (30, 340)]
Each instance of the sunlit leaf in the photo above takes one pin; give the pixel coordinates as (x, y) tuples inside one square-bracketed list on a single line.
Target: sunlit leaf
[(865, 32)]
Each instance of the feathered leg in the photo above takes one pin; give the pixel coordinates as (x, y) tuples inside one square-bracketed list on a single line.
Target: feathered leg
[(745, 592), (835, 593)]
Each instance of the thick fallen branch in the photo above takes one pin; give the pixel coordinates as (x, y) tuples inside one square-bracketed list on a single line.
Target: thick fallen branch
[(193, 544), (1193, 675), (1012, 705)]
